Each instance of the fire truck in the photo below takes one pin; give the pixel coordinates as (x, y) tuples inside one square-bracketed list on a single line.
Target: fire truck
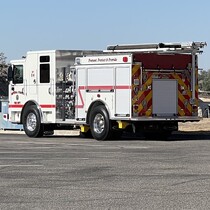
[(145, 88)]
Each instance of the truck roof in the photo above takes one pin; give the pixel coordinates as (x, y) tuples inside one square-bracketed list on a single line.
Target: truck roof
[(72, 53), (65, 51)]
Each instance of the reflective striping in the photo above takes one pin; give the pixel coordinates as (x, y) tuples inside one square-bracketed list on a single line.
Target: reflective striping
[(104, 87), (41, 105), (184, 104), (136, 70), (122, 87), (142, 99), (196, 90), (145, 102), (48, 105), (15, 106), (80, 106), (98, 88)]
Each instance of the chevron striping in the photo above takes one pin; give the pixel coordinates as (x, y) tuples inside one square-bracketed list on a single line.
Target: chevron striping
[(142, 98)]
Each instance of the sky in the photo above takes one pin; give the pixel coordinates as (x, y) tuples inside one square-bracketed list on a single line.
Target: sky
[(93, 24)]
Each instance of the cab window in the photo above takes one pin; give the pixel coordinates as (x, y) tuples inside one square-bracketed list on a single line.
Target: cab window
[(44, 73), (44, 69), (18, 74)]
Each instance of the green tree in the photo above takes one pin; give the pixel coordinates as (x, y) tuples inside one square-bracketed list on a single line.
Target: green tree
[(3, 67), (204, 80), (3, 75), (201, 76)]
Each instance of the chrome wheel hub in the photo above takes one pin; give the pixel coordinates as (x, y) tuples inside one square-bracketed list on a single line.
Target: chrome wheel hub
[(31, 122), (98, 123)]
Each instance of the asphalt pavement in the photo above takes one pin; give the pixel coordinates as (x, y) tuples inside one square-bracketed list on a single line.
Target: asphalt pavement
[(68, 172)]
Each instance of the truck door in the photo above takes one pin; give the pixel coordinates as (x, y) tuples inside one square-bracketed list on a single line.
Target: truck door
[(45, 87), (32, 74), (164, 97), (17, 90), (122, 92)]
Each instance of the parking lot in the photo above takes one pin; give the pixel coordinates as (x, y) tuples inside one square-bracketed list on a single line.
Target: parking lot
[(65, 172)]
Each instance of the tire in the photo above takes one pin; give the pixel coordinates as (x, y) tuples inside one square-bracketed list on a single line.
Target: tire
[(32, 122), (100, 124)]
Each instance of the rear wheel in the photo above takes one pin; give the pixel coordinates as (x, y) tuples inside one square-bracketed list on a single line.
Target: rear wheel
[(100, 123), (32, 122)]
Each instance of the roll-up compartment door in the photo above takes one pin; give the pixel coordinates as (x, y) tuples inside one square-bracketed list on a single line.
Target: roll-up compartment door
[(164, 97)]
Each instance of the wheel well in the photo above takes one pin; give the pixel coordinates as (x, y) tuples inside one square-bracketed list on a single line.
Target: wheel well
[(92, 106), (27, 104)]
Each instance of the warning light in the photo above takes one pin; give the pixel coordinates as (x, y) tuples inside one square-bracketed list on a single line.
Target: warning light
[(125, 59), (6, 116)]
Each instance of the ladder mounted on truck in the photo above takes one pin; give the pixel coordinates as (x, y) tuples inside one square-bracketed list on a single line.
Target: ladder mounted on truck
[(182, 47)]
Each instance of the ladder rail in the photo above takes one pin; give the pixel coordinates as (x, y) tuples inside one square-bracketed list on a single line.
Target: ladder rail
[(182, 47)]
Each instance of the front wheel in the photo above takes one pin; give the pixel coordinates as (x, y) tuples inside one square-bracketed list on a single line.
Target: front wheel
[(100, 123), (32, 122)]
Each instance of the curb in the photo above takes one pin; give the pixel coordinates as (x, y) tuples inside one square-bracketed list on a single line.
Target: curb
[(57, 132)]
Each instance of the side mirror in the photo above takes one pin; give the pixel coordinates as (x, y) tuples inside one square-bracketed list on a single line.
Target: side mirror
[(10, 74)]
